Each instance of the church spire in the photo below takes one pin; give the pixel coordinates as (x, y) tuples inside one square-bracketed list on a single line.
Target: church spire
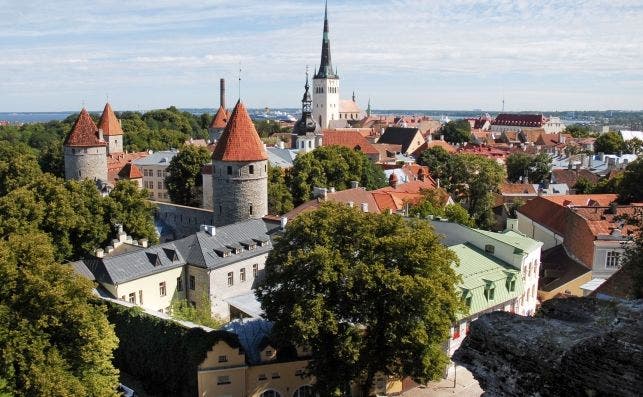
[(305, 124), (326, 65)]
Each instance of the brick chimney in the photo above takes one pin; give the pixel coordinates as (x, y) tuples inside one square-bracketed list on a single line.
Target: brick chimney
[(222, 93)]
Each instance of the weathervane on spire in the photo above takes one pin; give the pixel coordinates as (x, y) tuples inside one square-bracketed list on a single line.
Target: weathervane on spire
[(239, 80)]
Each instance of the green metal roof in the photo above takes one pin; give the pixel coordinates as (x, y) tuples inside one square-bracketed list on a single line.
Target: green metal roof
[(519, 241), (479, 271)]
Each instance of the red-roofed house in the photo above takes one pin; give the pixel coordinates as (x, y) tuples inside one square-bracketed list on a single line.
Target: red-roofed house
[(513, 122), (352, 140), (118, 161)]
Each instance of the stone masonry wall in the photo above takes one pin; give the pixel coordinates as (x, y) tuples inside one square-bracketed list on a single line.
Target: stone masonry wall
[(235, 194), (86, 163)]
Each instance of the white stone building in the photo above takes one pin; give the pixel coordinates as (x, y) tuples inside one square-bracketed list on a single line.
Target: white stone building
[(154, 170)]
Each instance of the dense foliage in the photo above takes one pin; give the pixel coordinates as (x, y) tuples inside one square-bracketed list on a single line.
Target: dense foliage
[(578, 130), (279, 197), (534, 168), (184, 180), (332, 166), (74, 214), (162, 354), (470, 179), (630, 189), (54, 337), (433, 203), (456, 131), (366, 293)]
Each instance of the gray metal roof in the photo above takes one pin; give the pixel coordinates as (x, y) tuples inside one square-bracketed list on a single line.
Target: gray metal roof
[(199, 249), (158, 158)]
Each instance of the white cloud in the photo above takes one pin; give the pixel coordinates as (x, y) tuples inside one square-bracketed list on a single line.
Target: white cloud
[(396, 51)]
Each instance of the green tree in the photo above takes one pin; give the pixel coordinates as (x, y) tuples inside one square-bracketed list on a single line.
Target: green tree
[(482, 177), (578, 130), (51, 158), (632, 262), (18, 167), (184, 180), (456, 131), (441, 165), (181, 309), (584, 186), (609, 143), (279, 197), (54, 337), (458, 214), (366, 293), (631, 186), (608, 185), (535, 168), (129, 206), (332, 166), (633, 146)]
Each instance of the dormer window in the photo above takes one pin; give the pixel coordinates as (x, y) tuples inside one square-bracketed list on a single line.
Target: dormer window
[(490, 291), (490, 249), (511, 283), (466, 297)]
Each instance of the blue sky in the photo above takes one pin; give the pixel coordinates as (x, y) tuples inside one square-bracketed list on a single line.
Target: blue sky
[(403, 54)]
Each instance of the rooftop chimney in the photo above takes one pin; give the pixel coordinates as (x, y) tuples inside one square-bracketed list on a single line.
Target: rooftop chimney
[(364, 207), (284, 222), (354, 184), (222, 93)]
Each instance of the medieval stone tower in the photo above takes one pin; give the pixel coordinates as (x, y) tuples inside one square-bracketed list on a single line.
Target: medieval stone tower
[(111, 129), (325, 85), (85, 150), (239, 172)]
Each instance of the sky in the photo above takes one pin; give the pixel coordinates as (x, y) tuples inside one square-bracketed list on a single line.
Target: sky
[(402, 54)]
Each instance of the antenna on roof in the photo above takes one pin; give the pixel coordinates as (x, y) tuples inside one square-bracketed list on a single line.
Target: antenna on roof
[(107, 97), (239, 80)]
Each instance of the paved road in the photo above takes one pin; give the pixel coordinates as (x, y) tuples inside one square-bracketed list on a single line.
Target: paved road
[(466, 386)]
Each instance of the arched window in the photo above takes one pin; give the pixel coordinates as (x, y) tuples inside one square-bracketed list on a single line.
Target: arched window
[(270, 393), (304, 391)]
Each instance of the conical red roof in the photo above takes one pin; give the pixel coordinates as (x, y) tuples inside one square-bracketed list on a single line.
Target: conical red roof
[(84, 132), (240, 141), (109, 123), (220, 119)]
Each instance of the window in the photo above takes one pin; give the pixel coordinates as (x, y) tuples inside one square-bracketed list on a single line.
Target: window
[(220, 209), (159, 173), (230, 279), (262, 377), (242, 275), (179, 284), (613, 259), (159, 185), (304, 391), (132, 297), (489, 248), (162, 290), (223, 380), (275, 375), (250, 209), (456, 331), (140, 297), (229, 170), (467, 301), (489, 292), (511, 284), (192, 283), (255, 270), (223, 359), (251, 169), (123, 297)]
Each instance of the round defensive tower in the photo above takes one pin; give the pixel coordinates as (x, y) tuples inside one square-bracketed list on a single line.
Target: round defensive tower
[(85, 150), (239, 172)]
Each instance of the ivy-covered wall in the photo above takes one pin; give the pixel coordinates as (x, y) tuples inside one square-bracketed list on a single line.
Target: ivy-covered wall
[(162, 354)]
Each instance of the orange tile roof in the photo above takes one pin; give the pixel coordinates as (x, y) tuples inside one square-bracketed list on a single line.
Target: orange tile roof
[(84, 133), (220, 119), (349, 139), (517, 188), (117, 161), (570, 177), (240, 141), (109, 123), (130, 171)]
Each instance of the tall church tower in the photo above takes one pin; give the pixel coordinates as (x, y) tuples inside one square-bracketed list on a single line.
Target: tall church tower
[(239, 172), (325, 84), (306, 135)]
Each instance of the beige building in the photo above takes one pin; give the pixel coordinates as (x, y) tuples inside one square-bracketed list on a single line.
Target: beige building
[(219, 265), (154, 170)]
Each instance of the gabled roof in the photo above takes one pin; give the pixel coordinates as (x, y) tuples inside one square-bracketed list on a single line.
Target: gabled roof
[(349, 139), (130, 171), (522, 120), (109, 123), (399, 136), (570, 177), (220, 119), (348, 106), (84, 133), (521, 189), (240, 141)]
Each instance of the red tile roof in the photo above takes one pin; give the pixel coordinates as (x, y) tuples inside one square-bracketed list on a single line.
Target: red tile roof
[(220, 118), (130, 171), (521, 120), (570, 177), (117, 161), (240, 141), (349, 139), (518, 188), (84, 133), (109, 123)]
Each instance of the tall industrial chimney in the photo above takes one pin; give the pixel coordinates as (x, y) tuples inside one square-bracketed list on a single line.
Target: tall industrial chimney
[(222, 93)]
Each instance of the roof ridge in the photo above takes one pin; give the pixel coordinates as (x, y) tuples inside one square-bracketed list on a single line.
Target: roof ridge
[(109, 123), (240, 140)]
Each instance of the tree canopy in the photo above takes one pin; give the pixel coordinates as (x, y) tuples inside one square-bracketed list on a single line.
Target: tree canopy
[(432, 203), (366, 293), (631, 185), (54, 337), (457, 131), (609, 143), (578, 130), (184, 179), (279, 197), (535, 168), (332, 166)]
